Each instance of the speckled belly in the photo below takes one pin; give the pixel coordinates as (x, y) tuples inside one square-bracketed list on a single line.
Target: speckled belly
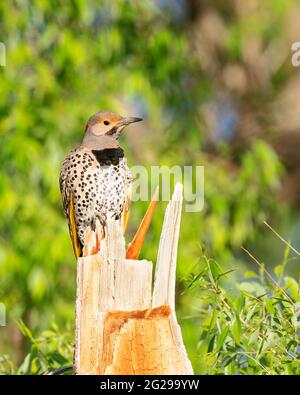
[(103, 196)]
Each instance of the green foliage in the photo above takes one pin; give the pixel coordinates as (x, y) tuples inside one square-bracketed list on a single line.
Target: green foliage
[(250, 328), (49, 351)]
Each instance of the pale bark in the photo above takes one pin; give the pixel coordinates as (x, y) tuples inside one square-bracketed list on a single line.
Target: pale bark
[(120, 328)]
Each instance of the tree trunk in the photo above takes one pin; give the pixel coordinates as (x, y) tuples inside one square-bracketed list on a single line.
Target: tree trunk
[(120, 327)]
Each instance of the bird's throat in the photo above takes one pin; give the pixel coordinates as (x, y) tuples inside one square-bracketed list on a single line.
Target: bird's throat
[(99, 143)]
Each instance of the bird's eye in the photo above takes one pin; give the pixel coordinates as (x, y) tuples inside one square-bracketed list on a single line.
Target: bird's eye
[(106, 122)]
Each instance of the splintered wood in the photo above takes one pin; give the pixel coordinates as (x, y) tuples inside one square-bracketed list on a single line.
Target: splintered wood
[(120, 327)]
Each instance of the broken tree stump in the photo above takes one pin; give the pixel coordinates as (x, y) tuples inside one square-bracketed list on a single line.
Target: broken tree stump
[(121, 328)]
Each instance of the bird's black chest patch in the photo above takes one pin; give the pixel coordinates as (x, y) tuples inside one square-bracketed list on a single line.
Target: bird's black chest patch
[(108, 156)]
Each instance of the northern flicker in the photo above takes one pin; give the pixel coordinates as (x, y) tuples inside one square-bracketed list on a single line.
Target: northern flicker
[(95, 181)]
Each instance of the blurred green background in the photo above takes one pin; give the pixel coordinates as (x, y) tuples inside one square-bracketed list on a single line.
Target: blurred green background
[(215, 84)]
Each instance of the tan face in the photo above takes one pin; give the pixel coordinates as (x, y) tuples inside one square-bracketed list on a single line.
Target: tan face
[(102, 123), (108, 124)]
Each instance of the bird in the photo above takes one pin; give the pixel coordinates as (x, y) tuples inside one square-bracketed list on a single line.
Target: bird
[(95, 180)]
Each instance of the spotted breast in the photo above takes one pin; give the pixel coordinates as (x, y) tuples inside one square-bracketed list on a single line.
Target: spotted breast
[(98, 181)]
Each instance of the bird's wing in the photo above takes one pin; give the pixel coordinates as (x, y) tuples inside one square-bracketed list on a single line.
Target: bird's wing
[(126, 209), (77, 247), (68, 204)]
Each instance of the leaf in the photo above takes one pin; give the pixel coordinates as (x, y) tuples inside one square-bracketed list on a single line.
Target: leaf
[(240, 303), (253, 337), (248, 294), (293, 287), (211, 344), (48, 334), (213, 320), (236, 330), (25, 368), (221, 338), (250, 274), (269, 306), (59, 358), (25, 330), (251, 313), (225, 273), (246, 286), (278, 270)]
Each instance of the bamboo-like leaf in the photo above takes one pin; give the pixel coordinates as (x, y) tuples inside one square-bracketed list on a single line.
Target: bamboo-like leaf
[(236, 330)]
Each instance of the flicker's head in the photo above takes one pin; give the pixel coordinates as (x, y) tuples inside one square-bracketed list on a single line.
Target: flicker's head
[(105, 127)]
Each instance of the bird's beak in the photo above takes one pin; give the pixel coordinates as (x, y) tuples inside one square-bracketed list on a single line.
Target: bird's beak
[(126, 121)]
